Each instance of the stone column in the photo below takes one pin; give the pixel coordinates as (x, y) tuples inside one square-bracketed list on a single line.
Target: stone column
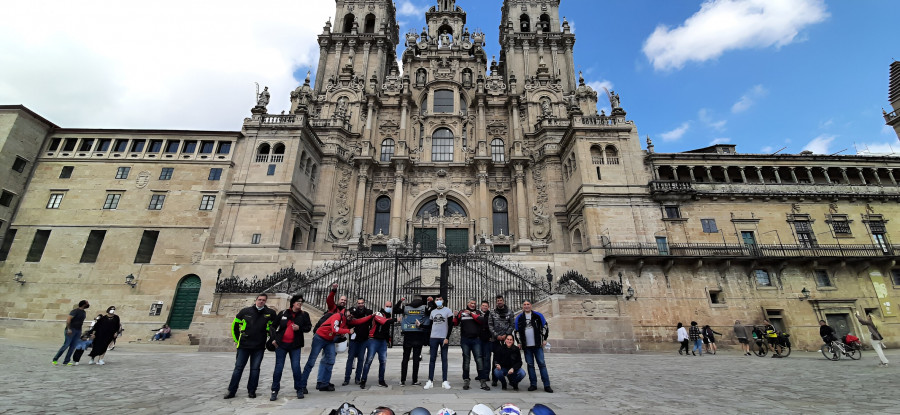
[(759, 174), (397, 203), (891, 176), (522, 212), (365, 72), (708, 173), (517, 130), (569, 61), (777, 176), (862, 177), (691, 171), (827, 176), (809, 174), (656, 172), (320, 72), (725, 172), (844, 175), (743, 174), (793, 174), (674, 172), (875, 173), (359, 206), (483, 203)]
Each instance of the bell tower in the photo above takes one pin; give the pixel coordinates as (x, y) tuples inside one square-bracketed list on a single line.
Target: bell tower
[(532, 37)]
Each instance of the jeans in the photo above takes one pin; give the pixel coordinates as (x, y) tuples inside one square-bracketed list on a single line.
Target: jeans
[(502, 375), (433, 345), (416, 352), (373, 347), (68, 345), (486, 348), (294, 354), (319, 345), (472, 345), (255, 356), (536, 353), (698, 346), (356, 352)]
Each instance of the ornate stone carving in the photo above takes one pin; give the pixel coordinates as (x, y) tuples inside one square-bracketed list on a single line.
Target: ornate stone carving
[(339, 227), (143, 178)]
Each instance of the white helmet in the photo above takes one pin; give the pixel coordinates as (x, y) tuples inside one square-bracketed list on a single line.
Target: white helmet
[(481, 409), (508, 409), (446, 411), (341, 347)]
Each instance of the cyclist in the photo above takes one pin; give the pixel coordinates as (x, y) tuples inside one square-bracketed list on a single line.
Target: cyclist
[(772, 337), (826, 332)]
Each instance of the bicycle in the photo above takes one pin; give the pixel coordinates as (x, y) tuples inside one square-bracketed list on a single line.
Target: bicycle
[(850, 347), (782, 342)]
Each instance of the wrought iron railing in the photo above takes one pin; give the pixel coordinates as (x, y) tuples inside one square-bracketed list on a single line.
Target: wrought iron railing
[(573, 281), (737, 250)]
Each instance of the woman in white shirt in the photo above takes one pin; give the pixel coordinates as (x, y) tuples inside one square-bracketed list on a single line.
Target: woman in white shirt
[(682, 338)]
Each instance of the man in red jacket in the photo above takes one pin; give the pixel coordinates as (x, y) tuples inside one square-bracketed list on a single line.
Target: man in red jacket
[(323, 340)]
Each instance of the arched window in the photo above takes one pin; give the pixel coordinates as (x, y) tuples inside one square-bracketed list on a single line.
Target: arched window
[(443, 101), (370, 24), (576, 241), (382, 216), (432, 209), (545, 23), (387, 149), (498, 152), (596, 155), (524, 23), (501, 216), (297, 239), (442, 145), (612, 155), (278, 153), (348, 22), (262, 153), (312, 173)]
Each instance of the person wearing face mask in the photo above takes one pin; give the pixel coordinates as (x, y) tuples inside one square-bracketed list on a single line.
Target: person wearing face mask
[(415, 335), (361, 321), (249, 330), (102, 334), (377, 343), (441, 322), (72, 332)]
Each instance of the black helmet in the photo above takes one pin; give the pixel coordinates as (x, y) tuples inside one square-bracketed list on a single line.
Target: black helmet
[(418, 411)]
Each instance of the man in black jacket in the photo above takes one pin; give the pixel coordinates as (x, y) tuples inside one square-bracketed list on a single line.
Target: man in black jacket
[(487, 345), (532, 331), (382, 327), (287, 337), (415, 335), (500, 323), (356, 349), (470, 321), (249, 331)]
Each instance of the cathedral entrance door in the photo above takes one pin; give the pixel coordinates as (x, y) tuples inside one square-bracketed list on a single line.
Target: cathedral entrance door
[(425, 239), (457, 241)]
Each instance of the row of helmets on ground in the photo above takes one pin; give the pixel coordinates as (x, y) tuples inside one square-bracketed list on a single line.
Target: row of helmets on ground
[(480, 409)]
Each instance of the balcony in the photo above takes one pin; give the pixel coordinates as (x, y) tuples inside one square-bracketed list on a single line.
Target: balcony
[(892, 117), (726, 251), (670, 186)]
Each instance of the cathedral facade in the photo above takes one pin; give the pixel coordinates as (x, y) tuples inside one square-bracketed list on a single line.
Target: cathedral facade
[(442, 149)]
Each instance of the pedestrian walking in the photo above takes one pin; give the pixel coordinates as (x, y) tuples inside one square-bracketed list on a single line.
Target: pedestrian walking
[(287, 338), (249, 330), (740, 331), (682, 334), (709, 338), (875, 335), (103, 333), (695, 336), (72, 332), (508, 364), (533, 330), (415, 336), (441, 322), (379, 334), (500, 323), (116, 337)]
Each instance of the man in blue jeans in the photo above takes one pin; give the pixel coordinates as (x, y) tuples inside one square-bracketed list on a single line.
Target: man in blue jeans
[(249, 330), (323, 342), (441, 322), (72, 332), (287, 337), (361, 321), (377, 343), (470, 322), (532, 331)]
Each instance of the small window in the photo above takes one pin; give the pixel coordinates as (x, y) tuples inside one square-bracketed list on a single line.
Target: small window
[(156, 202), (155, 146), (271, 170), (895, 276), (382, 216), (146, 248), (37, 246), (822, 279), (207, 202), (19, 164), (224, 147), (387, 149), (840, 225), (66, 172), (172, 146), (215, 173), (255, 238), (716, 297), (662, 245), (69, 145), (55, 199), (122, 172), (599, 176), (112, 201), (54, 144), (92, 247), (709, 225), (7, 244), (6, 198), (442, 145), (443, 101), (166, 173), (498, 151), (206, 147), (103, 145), (137, 146), (120, 146), (189, 147), (86, 144), (762, 278), (672, 212)]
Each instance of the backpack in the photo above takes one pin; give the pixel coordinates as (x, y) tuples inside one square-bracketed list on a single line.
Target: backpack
[(322, 320)]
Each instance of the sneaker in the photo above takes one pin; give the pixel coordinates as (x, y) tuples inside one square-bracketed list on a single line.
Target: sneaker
[(494, 383), (429, 385), (70, 364), (346, 382), (484, 385), (445, 385), (54, 363), (382, 384), (515, 387), (402, 383), (362, 384), (91, 362), (300, 394), (76, 363), (548, 389), (274, 396), (101, 362), (532, 388), (465, 384), (416, 383), (305, 391), (229, 395)]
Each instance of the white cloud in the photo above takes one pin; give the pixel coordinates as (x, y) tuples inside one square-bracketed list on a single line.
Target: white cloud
[(767, 150), (820, 144), (749, 98), (888, 130), (892, 148), (407, 8), (723, 25), (719, 141), (602, 100), (705, 117), (675, 134), (165, 64)]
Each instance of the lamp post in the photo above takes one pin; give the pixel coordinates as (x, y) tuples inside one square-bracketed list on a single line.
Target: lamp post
[(550, 278), (19, 278), (805, 293), (629, 294), (129, 280)]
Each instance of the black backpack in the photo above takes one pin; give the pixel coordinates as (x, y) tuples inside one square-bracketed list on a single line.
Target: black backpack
[(322, 320)]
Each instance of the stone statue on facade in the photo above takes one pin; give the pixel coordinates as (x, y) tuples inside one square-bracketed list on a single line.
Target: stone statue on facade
[(262, 100), (614, 100)]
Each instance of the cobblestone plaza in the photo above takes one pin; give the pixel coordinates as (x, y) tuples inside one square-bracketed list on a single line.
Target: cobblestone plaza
[(162, 378)]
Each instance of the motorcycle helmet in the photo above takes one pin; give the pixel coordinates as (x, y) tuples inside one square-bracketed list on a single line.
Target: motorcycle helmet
[(340, 347), (418, 411), (541, 409), (508, 409), (383, 410), (481, 409), (346, 409), (446, 411)]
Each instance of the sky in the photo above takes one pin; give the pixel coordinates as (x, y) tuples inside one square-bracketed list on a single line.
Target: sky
[(765, 75)]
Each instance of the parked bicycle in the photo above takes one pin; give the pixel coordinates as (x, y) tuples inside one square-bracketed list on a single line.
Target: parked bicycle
[(849, 346), (780, 346)]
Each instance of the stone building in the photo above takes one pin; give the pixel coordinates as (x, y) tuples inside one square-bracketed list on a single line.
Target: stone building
[(457, 152)]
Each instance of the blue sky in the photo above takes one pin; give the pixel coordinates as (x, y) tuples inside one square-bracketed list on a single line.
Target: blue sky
[(761, 74)]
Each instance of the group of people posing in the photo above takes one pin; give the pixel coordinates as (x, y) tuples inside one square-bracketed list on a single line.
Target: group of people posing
[(484, 333)]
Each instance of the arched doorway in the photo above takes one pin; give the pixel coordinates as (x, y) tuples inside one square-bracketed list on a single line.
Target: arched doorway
[(453, 221), (185, 302)]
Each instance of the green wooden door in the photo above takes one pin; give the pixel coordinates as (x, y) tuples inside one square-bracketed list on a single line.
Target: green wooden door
[(185, 302), (425, 239), (457, 241)]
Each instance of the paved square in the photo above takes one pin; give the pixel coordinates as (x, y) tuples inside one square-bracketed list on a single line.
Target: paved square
[(161, 378)]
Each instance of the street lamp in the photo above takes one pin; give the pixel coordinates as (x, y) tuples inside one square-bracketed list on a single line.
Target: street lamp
[(129, 280), (550, 277), (805, 293), (19, 278)]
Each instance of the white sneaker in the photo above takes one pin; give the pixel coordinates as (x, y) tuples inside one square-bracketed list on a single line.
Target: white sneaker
[(445, 385), (101, 362), (91, 362), (76, 363), (429, 385)]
